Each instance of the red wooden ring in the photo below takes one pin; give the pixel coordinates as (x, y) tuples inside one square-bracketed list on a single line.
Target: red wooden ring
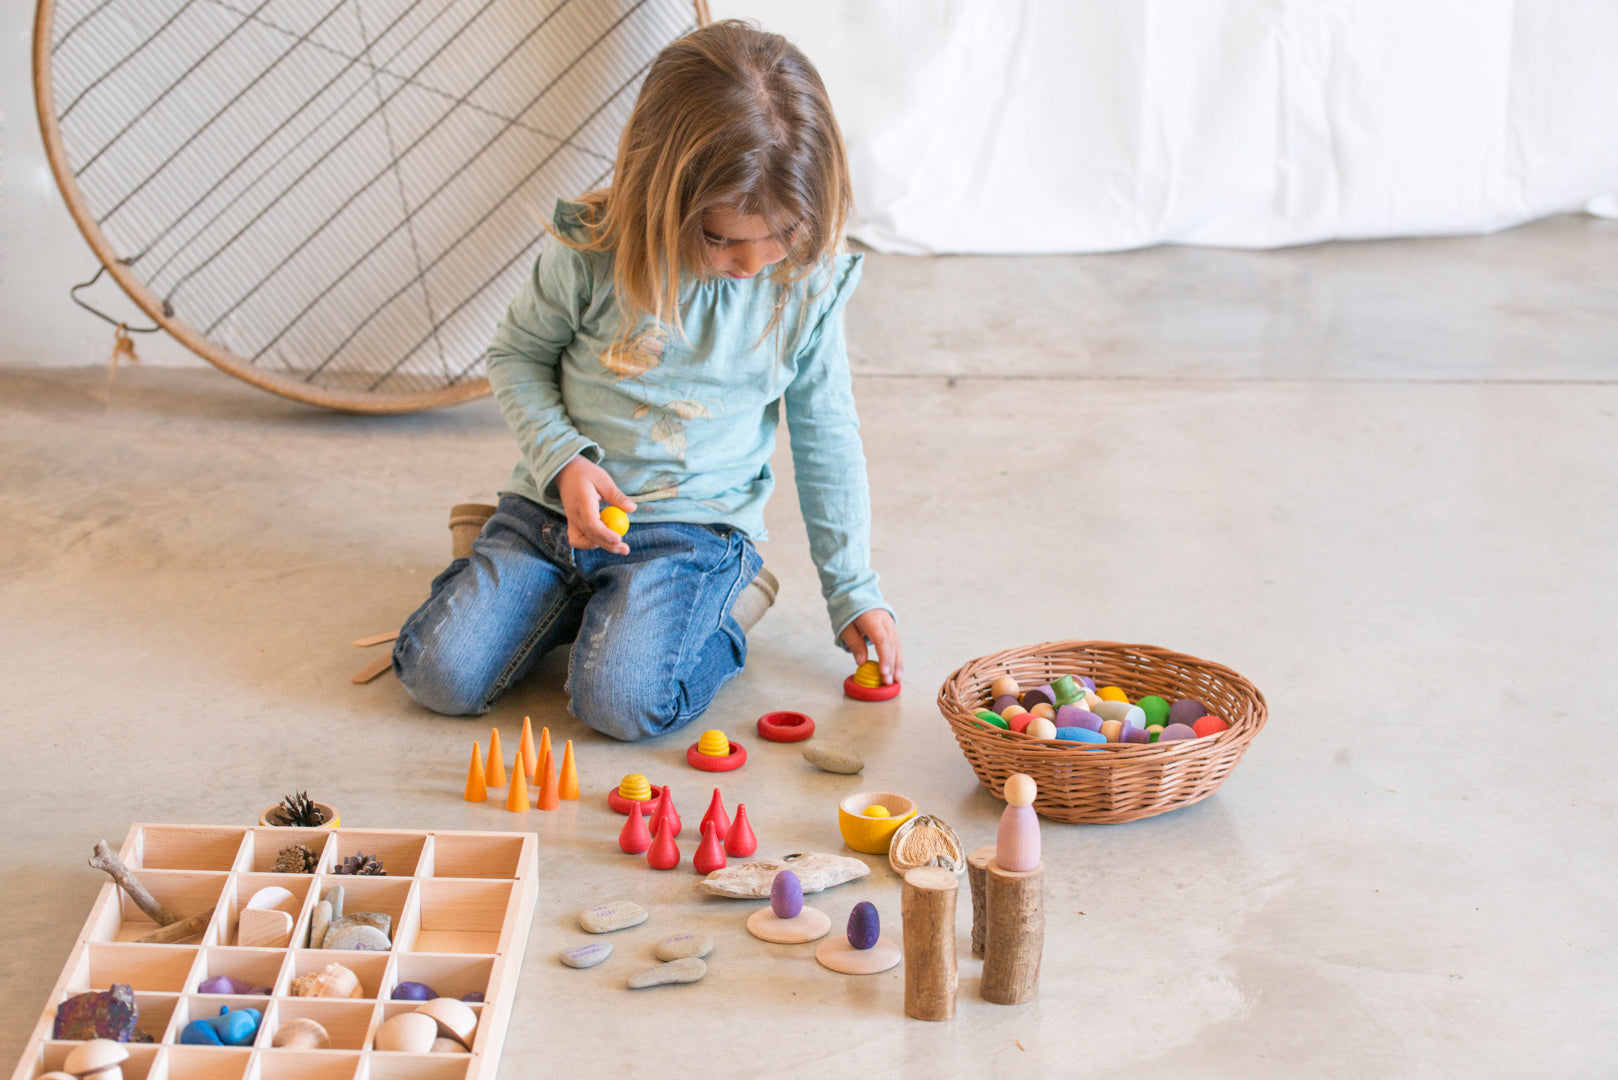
[(785, 726), (648, 807), (870, 693), (733, 760)]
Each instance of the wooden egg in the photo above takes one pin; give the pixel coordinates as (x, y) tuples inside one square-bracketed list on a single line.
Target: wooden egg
[(301, 1034), (786, 895), (864, 925), (100, 1058), (407, 1033), (1040, 728), (455, 1018), (1005, 684)]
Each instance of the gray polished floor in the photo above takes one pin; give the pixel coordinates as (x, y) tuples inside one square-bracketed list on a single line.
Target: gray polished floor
[(1380, 479)]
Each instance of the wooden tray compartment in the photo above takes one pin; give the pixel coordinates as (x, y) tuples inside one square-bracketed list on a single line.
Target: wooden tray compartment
[(242, 889), (350, 1024), (456, 915), (255, 967), (265, 843), (384, 894), (309, 1065), (390, 1009), (476, 855), (142, 1061), (371, 967), (401, 852), (183, 847), (384, 1066), (159, 968), (206, 1006), (184, 892), (448, 975), (207, 1063)]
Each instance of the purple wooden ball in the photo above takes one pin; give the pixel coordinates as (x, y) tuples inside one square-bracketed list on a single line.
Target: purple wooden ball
[(786, 895), (1187, 711), (864, 925), (413, 991), (1003, 702)]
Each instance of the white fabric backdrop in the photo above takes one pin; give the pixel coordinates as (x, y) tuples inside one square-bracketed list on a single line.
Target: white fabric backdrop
[(1096, 125)]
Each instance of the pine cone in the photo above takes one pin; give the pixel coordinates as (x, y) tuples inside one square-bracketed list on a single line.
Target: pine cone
[(300, 810), (295, 859), (361, 863)]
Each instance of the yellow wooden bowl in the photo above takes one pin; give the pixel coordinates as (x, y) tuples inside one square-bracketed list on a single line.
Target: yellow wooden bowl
[(868, 834)]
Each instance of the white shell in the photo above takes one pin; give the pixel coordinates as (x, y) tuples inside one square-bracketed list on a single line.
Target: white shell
[(410, 1033), (94, 1057), (752, 880), (455, 1018), (333, 980)]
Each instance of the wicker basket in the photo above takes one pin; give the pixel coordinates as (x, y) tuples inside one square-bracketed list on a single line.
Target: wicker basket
[(1116, 782)]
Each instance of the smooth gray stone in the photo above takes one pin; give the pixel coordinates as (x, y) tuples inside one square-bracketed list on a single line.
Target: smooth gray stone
[(834, 759), (335, 896), (680, 946), (357, 936), (605, 918), (585, 956), (319, 925), (379, 919), (688, 970)]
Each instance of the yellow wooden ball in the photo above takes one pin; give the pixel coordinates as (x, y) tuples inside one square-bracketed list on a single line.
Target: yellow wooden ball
[(615, 519), (877, 810), (1112, 693)]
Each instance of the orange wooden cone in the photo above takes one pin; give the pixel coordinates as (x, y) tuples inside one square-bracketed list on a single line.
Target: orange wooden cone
[(568, 786), (547, 785), (517, 797), (477, 789), (544, 746), (526, 748), (496, 774)]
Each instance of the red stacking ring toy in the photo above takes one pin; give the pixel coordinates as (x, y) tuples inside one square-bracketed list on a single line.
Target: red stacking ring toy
[(733, 760), (785, 726)]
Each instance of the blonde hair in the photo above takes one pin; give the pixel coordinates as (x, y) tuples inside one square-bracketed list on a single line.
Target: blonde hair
[(729, 117)]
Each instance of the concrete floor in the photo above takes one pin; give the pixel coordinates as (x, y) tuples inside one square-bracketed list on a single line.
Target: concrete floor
[(1379, 479)]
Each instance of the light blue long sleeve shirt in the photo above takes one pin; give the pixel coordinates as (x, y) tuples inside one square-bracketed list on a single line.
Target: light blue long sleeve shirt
[(685, 423)]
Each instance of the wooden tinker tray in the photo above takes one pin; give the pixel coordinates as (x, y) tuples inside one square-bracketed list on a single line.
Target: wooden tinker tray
[(461, 904)]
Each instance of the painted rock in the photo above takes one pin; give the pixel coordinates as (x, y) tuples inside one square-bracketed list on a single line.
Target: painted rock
[(833, 759), (223, 984), (587, 956), (605, 918), (413, 991), (686, 970), (680, 946), (107, 1014), (381, 920), (864, 925), (752, 880), (786, 895), (358, 936), (321, 922), (473, 996), (334, 897)]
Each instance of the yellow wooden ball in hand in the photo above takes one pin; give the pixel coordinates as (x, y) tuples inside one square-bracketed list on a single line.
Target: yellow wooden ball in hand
[(615, 519)]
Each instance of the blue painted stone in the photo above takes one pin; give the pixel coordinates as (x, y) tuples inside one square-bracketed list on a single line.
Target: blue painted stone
[(786, 895), (584, 956), (864, 925), (1079, 734), (230, 1028), (413, 991)]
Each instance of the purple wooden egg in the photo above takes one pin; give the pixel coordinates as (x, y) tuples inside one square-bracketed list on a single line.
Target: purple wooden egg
[(413, 991), (864, 925), (786, 895), (1187, 711), (1176, 731)]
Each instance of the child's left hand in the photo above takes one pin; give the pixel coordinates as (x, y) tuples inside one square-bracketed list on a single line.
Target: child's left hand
[(878, 627)]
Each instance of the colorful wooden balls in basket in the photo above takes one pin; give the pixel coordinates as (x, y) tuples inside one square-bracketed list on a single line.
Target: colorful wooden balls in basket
[(1092, 752)]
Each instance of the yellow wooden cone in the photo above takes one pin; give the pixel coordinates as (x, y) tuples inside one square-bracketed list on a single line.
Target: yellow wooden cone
[(568, 786), (526, 748), (544, 746), (517, 797), (495, 776), (477, 789)]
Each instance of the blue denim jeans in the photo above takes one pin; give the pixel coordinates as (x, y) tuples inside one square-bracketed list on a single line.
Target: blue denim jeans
[(652, 635)]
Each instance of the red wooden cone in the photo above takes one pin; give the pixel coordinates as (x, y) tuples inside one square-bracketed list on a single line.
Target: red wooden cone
[(716, 814), (740, 841), (664, 854), (665, 809), (710, 856), (634, 838)]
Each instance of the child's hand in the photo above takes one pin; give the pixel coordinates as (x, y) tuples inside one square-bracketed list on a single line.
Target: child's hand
[(877, 626), (583, 486)]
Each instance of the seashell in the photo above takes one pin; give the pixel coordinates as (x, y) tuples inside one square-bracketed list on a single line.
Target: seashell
[(752, 880), (301, 1034), (409, 1033), (926, 840), (100, 1058), (333, 980), (455, 1019)]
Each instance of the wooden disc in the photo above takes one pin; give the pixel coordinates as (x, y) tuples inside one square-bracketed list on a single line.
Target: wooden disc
[(836, 953), (810, 924)]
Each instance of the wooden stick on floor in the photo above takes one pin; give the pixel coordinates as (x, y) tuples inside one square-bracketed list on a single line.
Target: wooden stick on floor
[(928, 909), (1016, 934), (976, 863)]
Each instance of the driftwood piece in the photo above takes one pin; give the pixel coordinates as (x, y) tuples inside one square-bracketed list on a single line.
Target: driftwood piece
[(1015, 937), (179, 930), (976, 863), (928, 909), (105, 859)]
